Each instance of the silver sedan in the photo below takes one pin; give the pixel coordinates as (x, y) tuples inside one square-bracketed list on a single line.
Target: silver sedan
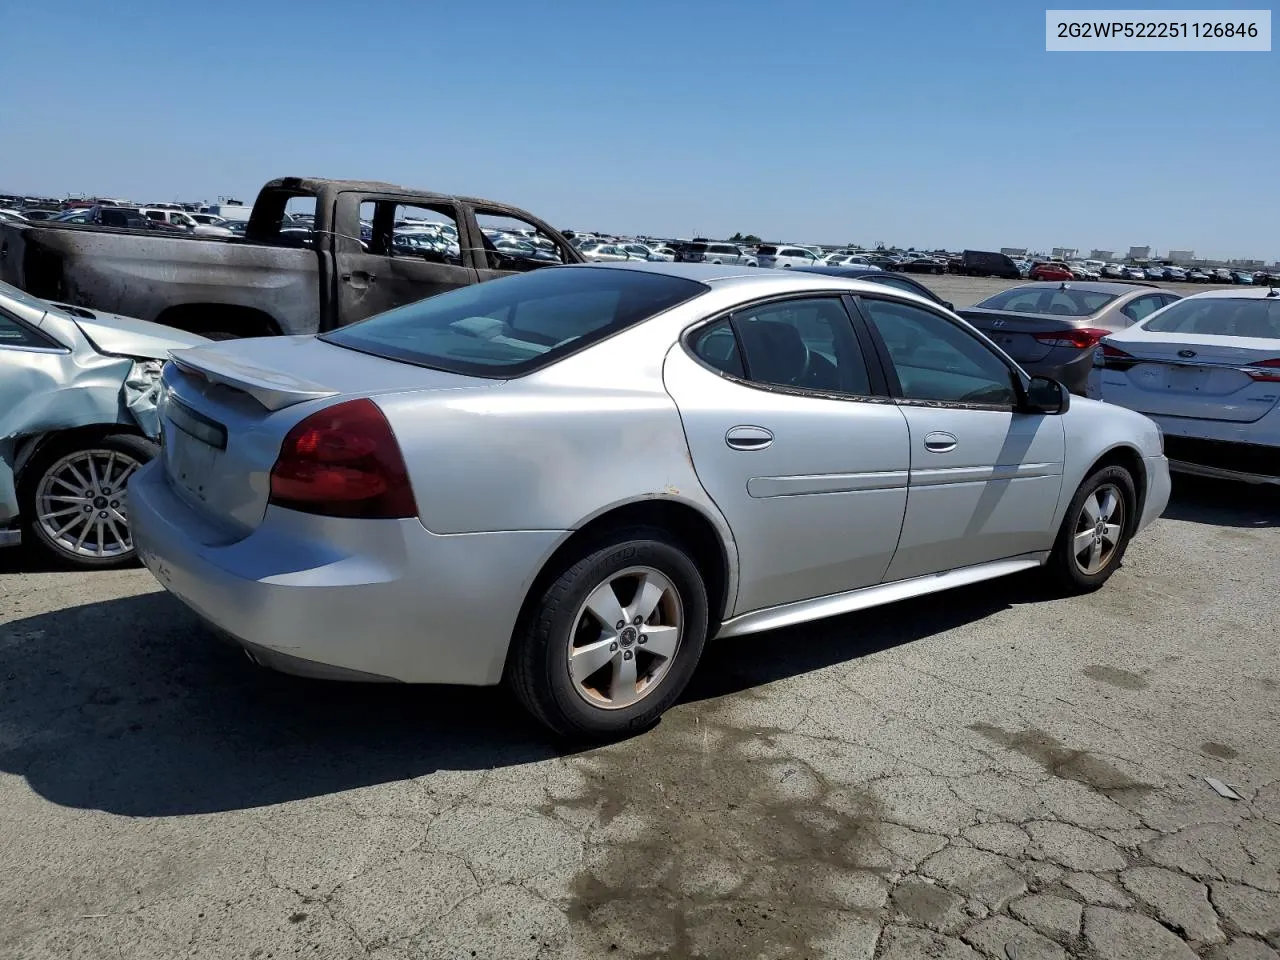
[(571, 479)]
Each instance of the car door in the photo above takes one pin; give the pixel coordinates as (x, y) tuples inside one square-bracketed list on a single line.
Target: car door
[(380, 274), (984, 477), (793, 438)]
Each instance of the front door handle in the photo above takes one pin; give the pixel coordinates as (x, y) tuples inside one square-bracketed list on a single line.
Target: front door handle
[(940, 442), (748, 438), (360, 279)]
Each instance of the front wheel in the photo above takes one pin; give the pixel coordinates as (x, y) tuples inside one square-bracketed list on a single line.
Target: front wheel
[(1095, 532), (609, 644), (75, 500)]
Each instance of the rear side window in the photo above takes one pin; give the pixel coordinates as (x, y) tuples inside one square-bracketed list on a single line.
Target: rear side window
[(1220, 317), (517, 324), (716, 346), (767, 251), (1142, 307)]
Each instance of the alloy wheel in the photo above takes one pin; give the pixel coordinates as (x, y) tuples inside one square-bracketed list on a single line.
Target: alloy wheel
[(1099, 528), (625, 637), (82, 504)]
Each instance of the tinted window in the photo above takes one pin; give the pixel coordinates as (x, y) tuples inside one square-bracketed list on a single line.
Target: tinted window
[(1048, 300), (802, 343), (14, 334), (1220, 316), (937, 360), (510, 326), (767, 251), (1142, 307), (716, 345)]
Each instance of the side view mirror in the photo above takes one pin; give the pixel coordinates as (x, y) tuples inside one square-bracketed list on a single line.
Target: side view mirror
[(1047, 396)]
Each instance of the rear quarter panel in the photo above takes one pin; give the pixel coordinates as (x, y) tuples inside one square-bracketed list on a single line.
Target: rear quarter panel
[(140, 275)]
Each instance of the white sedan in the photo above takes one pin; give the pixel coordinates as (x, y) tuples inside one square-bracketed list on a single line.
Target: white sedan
[(1206, 368)]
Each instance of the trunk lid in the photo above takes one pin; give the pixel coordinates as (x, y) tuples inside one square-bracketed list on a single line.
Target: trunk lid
[(1015, 333), (225, 410), (1190, 375)]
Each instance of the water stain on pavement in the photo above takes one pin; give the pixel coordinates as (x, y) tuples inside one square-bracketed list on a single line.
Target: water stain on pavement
[(1065, 762), (1123, 679), (1219, 750), (711, 842)]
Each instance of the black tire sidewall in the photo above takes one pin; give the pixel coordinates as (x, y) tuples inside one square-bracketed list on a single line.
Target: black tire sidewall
[(543, 645), (137, 447), (1062, 562)]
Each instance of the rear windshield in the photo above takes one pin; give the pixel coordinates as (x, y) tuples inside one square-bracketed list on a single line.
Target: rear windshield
[(1051, 301), (514, 325), (1220, 317)]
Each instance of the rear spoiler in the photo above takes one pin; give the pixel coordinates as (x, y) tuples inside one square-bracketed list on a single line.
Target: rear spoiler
[(271, 388)]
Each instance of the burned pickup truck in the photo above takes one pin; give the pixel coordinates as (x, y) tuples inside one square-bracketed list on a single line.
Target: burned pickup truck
[(316, 254)]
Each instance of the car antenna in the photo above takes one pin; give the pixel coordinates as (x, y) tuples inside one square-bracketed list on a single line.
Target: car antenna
[(1064, 285)]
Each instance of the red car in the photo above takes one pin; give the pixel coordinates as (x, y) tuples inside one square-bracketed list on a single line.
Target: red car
[(1051, 271)]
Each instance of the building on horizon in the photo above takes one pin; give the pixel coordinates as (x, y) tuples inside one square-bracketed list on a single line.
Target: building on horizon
[(1014, 252), (1139, 253), (1065, 253), (1182, 256), (1102, 255)]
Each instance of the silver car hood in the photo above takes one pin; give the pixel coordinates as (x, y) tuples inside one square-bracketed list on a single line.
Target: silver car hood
[(131, 337)]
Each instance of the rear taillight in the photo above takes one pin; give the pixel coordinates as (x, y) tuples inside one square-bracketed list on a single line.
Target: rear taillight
[(1081, 339), (343, 462), (1115, 353), (1264, 371)]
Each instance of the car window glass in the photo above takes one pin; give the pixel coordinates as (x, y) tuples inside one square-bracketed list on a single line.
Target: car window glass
[(802, 343), (14, 334), (716, 346), (936, 360), (1220, 316), (1142, 307), (897, 282), (534, 248), (518, 323)]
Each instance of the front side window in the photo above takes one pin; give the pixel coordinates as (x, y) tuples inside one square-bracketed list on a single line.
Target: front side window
[(937, 360), (516, 324)]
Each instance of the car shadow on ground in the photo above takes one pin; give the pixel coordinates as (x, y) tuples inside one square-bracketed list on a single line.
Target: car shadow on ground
[(132, 707), (1223, 503)]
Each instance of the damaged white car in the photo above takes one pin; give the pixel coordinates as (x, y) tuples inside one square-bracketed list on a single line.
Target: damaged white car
[(77, 417)]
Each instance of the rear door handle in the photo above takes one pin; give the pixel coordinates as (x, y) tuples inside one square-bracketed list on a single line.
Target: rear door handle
[(748, 438), (940, 442), (360, 278)]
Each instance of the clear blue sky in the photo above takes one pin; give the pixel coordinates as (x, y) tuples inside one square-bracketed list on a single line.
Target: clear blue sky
[(941, 123)]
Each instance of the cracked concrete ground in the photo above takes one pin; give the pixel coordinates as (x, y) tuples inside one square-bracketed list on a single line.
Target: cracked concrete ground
[(985, 773)]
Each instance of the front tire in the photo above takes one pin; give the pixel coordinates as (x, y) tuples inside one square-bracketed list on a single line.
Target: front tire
[(1095, 532), (608, 645), (75, 501)]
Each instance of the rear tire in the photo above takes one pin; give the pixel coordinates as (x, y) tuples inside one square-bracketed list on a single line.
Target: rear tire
[(83, 476), (1095, 532), (591, 680)]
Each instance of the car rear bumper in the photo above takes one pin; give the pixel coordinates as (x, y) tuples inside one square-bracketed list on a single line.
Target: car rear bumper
[(1224, 459), (344, 598)]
